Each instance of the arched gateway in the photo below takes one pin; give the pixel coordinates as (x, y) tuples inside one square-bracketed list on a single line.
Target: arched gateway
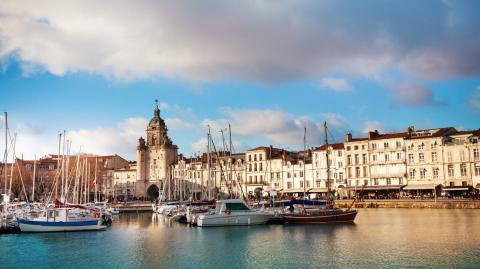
[(153, 192)]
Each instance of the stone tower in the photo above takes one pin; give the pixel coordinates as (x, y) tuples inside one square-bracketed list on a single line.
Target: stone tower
[(154, 157)]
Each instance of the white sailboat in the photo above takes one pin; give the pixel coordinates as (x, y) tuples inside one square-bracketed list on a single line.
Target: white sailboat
[(62, 219)]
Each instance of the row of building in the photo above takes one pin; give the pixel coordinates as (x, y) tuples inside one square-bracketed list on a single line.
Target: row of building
[(432, 162), (438, 161)]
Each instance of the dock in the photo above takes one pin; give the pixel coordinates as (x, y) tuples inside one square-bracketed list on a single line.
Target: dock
[(134, 206)]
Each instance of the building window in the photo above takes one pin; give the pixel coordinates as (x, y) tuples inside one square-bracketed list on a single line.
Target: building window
[(355, 147), (348, 148), (289, 185), (250, 167), (399, 144), (389, 181), (349, 160), (363, 146), (477, 169), (308, 184), (364, 157), (374, 146), (339, 153), (421, 146), (301, 184), (399, 156), (260, 156), (412, 174), (357, 171), (365, 171), (278, 175), (435, 172), (249, 157), (476, 154), (357, 160), (318, 183), (289, 175), (340, 164), (421, 157), (375, 181), (387, 157), (255, 157), (400, 181), (385, 145), (434, 156), (255, 167), (301, 173), (422, 173), (349, 172), (374, 157), (450, 170), (410, 158), (463, 170), (261, 167), (340, 175), (410, 147)]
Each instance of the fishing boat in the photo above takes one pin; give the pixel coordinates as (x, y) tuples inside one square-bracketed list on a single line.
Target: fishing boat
[(233, 212), (326, 213), (62, 220)]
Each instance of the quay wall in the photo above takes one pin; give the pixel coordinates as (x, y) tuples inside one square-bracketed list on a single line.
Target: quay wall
[(133, 207), (439, 204)]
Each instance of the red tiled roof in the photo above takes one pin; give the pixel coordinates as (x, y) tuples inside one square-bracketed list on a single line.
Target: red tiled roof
[(334, 146)]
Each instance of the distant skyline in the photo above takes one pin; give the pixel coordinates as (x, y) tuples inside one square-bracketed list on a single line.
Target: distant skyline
[(268, 68)]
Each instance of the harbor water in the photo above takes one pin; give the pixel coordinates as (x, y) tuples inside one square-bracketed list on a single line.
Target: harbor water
[(379, 238)]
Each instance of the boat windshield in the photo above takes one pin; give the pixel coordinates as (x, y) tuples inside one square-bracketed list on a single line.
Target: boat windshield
[(237, 206)]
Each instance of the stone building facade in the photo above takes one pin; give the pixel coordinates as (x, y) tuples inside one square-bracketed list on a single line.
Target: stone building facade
[(155, 155)]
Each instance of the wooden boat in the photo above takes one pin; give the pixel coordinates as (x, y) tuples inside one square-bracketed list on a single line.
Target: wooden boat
[(326, 213)]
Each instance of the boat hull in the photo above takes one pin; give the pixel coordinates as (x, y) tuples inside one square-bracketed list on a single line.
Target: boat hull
[(345, 216), (233, 220), (29, 226)]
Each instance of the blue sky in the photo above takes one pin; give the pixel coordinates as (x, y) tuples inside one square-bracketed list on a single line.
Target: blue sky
[(268, 68)]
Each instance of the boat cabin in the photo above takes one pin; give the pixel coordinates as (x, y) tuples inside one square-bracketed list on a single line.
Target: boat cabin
[(223, 206)]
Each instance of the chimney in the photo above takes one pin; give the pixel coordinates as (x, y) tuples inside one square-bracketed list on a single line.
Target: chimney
[(372, 135), (348, 137), (410, 130)]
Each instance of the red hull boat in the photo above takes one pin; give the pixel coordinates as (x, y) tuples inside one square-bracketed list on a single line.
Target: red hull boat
[(326, 216)]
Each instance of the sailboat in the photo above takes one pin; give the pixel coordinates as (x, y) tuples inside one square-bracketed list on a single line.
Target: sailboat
[(326, 213)]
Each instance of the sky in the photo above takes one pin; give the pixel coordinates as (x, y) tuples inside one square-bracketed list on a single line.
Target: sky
[(267, 68)]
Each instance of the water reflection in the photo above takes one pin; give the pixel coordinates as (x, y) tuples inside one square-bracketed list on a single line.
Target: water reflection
[(379, 238)]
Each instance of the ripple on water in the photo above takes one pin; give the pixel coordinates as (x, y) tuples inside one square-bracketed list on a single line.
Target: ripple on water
[(380, 238)]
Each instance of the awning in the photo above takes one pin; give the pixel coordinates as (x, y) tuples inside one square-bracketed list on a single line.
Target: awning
[(376, 188), (296, 190), (477, 186), (317, 190), (455, 188), (424, 186)]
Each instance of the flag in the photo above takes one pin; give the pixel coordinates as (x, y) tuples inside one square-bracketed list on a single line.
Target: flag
[(94, 182)]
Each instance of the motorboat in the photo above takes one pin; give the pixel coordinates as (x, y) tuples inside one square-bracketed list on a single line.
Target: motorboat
[(233, 212)]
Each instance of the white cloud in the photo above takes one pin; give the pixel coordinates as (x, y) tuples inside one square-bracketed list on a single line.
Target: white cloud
[(372, 125), (177, 124), (270, 42), (475, 98), (336, 84), (274, 125), (121, 140)]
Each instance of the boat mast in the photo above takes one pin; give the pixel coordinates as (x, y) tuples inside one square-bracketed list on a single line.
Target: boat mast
[(33, 179), (58, 164), (304, 159), (6, 153), (328, 164), (62, 194), (209, 194), (13, 163), (95, 180)]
